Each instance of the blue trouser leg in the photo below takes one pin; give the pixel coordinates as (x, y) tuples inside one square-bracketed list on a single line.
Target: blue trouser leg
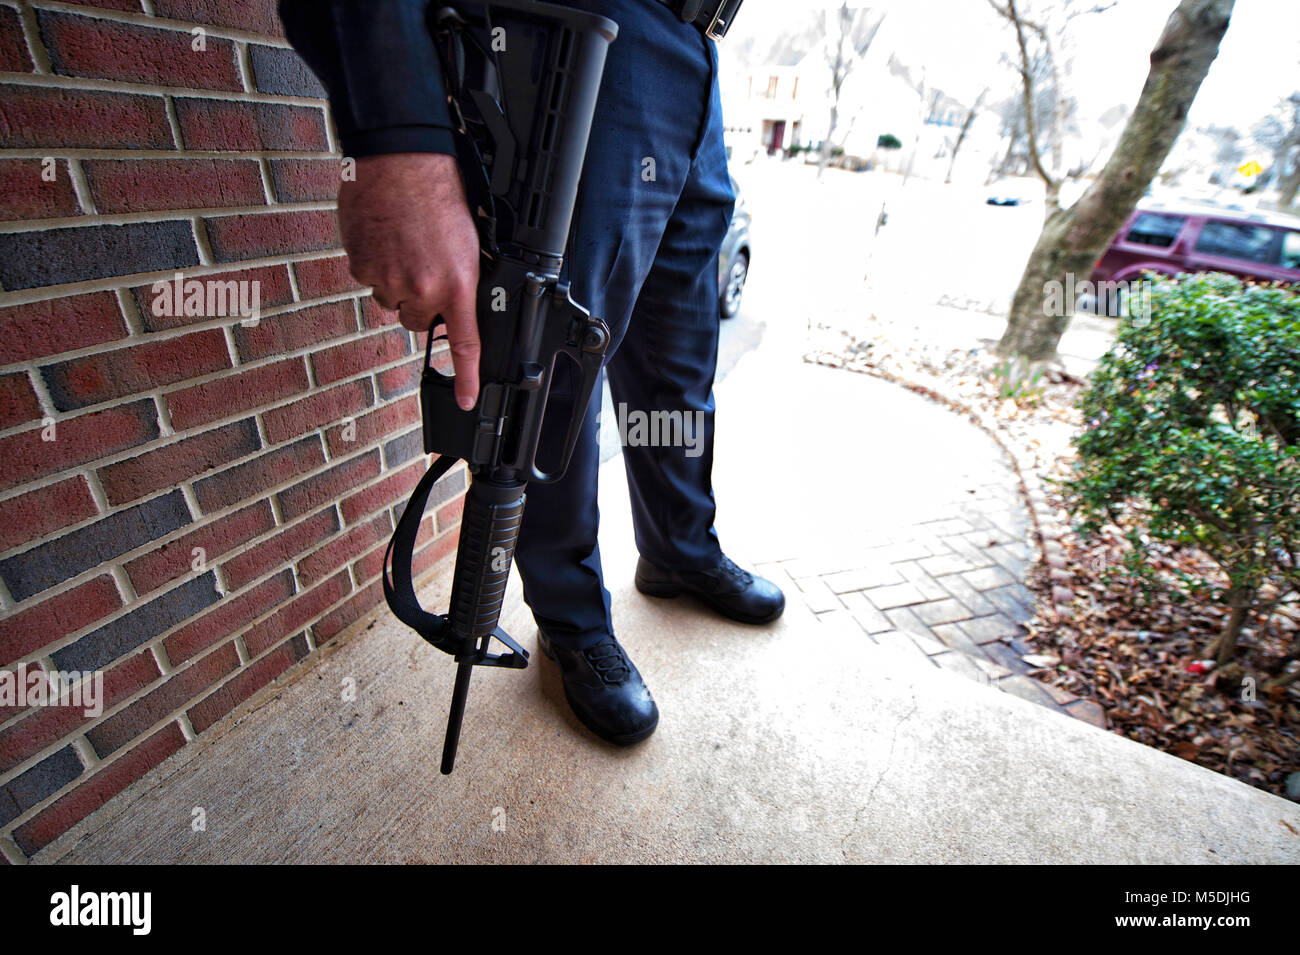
[(652, 213)]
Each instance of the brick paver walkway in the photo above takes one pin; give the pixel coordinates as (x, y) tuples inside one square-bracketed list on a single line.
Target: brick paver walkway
[(948, 590)]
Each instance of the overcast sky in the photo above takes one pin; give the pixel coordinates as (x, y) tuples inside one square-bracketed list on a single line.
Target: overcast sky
[(959, 43)]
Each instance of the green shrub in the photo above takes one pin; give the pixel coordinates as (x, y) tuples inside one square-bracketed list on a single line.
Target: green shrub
[(1193, 435), (888, 141)]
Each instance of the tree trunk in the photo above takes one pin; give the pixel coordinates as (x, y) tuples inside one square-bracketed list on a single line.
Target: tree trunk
[(1240, 600), (1074, 238), (961, 136), (1289, 184)]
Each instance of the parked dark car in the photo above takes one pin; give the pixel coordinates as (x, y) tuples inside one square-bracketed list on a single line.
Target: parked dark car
[(733, 259), (1258, 246)]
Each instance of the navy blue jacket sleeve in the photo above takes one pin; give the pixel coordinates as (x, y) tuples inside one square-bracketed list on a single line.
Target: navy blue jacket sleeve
[(378, 62)]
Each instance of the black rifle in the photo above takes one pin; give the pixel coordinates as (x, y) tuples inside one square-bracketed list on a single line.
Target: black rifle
[(522, 79)]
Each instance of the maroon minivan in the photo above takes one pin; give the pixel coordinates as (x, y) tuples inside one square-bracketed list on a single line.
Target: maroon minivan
[(1258, 246)]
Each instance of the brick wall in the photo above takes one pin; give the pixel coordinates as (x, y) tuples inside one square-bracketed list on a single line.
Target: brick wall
[(191, 503)]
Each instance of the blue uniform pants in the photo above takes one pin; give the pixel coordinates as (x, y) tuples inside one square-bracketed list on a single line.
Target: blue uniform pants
[(654, 207)]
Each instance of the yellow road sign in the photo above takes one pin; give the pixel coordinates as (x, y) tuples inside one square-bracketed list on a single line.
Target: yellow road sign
[(1251, 168)]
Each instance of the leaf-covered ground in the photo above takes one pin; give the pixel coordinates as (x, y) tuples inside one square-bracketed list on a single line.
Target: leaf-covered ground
[(1138, 650)]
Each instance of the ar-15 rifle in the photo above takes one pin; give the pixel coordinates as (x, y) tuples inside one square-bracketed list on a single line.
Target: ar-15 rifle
[(522, 79)]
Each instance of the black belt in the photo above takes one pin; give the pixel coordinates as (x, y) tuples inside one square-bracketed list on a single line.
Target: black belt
[(715, 16)]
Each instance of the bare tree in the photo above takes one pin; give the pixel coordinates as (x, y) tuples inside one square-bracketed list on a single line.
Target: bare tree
[(1072, 239), (852, 37), (965, 128), (1280, 135), (1038, 61)]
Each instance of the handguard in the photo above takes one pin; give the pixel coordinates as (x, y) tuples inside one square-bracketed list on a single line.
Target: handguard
[(522, 80)]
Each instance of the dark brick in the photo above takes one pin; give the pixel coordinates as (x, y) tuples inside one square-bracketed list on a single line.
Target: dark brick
[(165, 467), (235, 691), (402, 449), (256, 16), (283, 72), (55, 561), (398, 381), (108, 49), (306, 180), (110, 735), (51, 118), (250, 479), (58, 256), (44, 779), (77, 441), (122, 372), (58, 325), (138, 627), (105, 783)]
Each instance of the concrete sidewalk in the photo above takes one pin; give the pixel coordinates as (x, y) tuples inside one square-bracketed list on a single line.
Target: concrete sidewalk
[(806, 741)]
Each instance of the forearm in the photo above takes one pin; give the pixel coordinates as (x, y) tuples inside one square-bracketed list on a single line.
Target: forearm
[(379, 65)]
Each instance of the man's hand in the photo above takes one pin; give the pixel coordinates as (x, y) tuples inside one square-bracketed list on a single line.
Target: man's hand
[(409, 235)]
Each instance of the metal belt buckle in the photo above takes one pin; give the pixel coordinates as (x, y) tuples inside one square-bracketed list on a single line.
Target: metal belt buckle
[(722, 18)]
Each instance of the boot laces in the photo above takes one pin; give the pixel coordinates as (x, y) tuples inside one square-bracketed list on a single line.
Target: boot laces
[(610, 662)]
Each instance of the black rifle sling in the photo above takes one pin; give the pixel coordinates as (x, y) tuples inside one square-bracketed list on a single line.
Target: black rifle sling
[(399, 591)]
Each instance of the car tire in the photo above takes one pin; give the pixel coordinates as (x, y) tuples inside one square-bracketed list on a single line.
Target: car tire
[(734, 290)]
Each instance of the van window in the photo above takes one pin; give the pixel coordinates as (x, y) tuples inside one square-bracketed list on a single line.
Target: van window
[(1151, 229), (1291, 250), (1236, 240)]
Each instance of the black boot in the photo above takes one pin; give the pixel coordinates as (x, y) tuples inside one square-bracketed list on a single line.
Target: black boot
[(605, 690), (732, 592)]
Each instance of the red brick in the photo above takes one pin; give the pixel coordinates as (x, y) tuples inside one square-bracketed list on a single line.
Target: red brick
[(290, 331), (252, 478), (48, 724), (29, 630), (256, 16), (26, 193), (254, 235), (147, 185), (397, 381), (175, 559), (249, 680), (369, 565), (320, 563), (77, 441), (449, 515), (58, 325), (390, 490), (18, 401), (131, 5), (217, 125), (440, 549), (107, 782), (14, 56), (121, 372), (179, 461), (329, 276), (376, 317), (343, 616), (232, 394), (314, 410), (296, 615), (273, 289), (320, 489), (283, 548), (228, 617), (306, 180), (50, 118), (110, 50), (110, 735), (371, 427), (353, 358), (28, 516)]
